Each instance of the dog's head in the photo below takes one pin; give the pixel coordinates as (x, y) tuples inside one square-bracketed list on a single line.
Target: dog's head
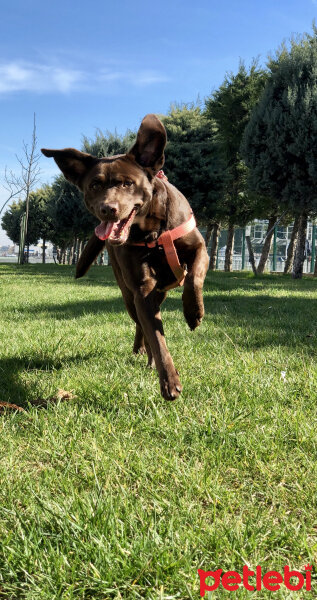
[(117, 188)]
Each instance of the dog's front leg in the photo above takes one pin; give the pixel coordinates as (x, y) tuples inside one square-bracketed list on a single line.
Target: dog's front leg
[(147, 307), (193, 304)]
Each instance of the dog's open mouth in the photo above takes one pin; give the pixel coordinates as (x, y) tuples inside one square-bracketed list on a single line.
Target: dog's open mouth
[(115, 232)]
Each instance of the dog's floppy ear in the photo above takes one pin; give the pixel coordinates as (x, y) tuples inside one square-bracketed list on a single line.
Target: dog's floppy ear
[(148, 149), (73, 163), (88, 255)]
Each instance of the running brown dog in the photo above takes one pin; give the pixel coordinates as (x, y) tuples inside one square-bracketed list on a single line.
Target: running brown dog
[(135, 207)]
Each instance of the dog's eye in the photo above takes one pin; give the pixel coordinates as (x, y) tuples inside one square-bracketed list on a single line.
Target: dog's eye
[(127, 183), (96, 186)]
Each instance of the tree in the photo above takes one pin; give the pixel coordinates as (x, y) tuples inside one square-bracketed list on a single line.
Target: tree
[(279, 143), (39, 207), (37, 223), (24, 183), (69, 217), (108, 144), (230, 108), (11, 221), (193, 162)]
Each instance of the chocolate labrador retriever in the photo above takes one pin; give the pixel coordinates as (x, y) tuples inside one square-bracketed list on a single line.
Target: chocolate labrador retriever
[(150, 234)]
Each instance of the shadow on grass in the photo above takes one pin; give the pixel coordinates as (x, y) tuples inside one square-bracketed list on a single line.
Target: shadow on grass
[(15, 391), (273, 319), (76, 309), (217, 279), (247, 281), (60, 274), (264, 320)]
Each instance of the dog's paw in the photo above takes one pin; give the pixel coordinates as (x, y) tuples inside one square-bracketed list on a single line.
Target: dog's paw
[(193, 308), (150, 362), (142, 350), (139, 349), (194, 316), (171, 387)]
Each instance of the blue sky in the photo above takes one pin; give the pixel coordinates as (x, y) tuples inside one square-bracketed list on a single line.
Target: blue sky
[(86, 65)]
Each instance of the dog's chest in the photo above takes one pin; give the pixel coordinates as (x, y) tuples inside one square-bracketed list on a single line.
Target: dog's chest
[(145, 229), (152, 260)]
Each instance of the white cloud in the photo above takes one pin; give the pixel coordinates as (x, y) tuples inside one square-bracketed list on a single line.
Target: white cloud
[(133, 77), (148, 78), (21, 76)]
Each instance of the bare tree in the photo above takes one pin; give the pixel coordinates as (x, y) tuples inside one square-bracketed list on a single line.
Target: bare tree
[(14, 186), (23, 183)]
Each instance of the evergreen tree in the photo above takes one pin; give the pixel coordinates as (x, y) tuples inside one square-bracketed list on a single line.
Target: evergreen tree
[(69, 216), (108, 144), (230, 108), (280, 141), (39, 225), (194, 162), (11, 221)]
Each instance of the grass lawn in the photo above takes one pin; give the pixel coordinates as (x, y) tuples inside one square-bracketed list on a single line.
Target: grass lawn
[(117, 493)]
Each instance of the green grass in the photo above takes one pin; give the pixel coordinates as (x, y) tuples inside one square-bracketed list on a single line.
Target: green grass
[(120, 494)]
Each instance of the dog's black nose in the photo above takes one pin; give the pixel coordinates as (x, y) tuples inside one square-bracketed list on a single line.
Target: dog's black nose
[(109, 210)]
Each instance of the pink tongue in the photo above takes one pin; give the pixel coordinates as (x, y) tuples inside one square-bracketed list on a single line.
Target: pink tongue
[(103, 230), (117, 231)]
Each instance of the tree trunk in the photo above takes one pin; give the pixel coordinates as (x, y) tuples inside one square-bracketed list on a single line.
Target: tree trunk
[(76, 250), (229, 248), (214, 246), (267, 245), (300, 248), (64, 256), (70, 254), (43, 254), (208, 233), (251, 254), (61, 255), (72, 258), (291, 248), (315, 270)]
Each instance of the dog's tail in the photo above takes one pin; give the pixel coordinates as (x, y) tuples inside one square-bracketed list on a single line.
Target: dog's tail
[(89, 254)]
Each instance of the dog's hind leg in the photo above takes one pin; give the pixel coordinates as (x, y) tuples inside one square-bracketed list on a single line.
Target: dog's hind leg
[(140, 345)]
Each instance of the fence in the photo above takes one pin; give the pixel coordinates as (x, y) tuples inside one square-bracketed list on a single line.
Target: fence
[(278, 253)]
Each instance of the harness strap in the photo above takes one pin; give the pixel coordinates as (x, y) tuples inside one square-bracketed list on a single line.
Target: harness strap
[(166, 239)]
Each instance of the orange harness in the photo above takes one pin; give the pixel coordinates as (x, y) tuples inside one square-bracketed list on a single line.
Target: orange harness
[(166, 240)]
